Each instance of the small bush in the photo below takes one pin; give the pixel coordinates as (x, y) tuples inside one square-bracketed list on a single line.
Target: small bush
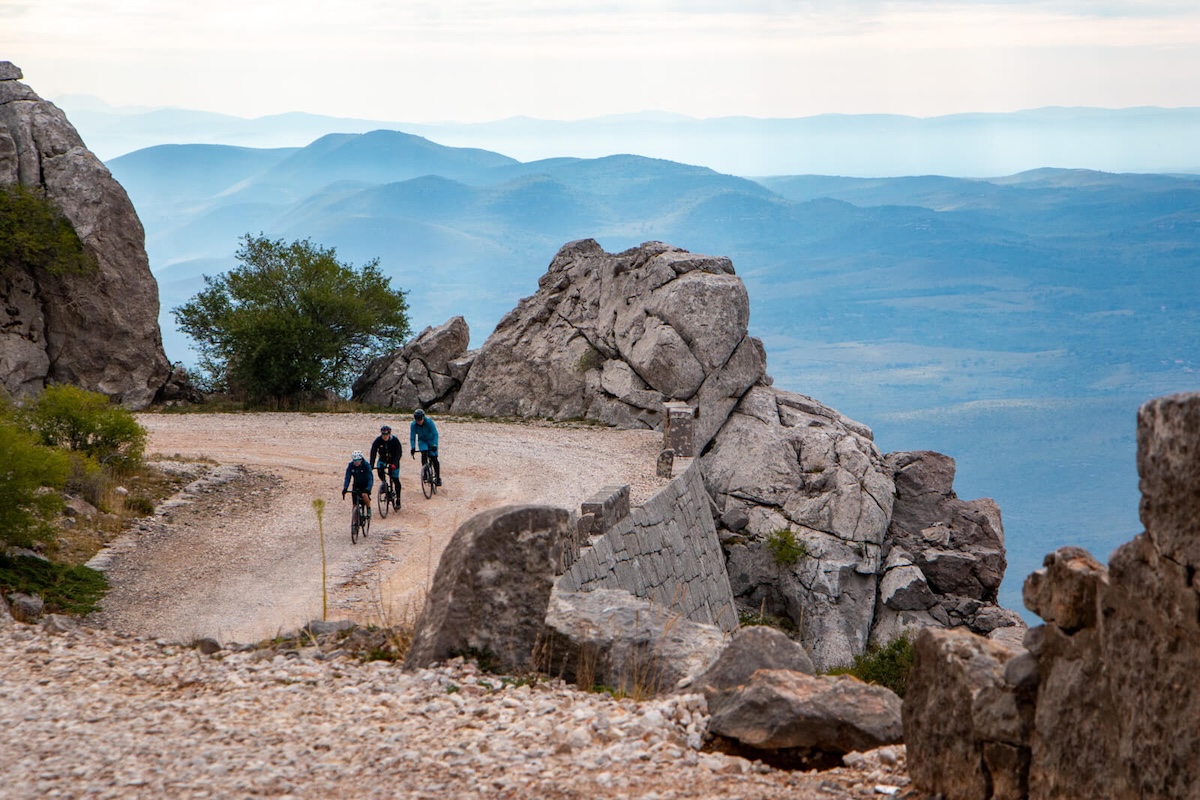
[(88, 423), (760, 618), (590, 360), (887, 666), (785, 548), (65, 589), (29, 482)]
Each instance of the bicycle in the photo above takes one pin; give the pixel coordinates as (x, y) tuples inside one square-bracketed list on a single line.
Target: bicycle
[(428, 483), (388, 497), (360, 518)]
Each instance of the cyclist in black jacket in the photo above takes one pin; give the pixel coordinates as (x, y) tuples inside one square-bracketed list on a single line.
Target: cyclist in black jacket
[(389, 451), (358, 471)]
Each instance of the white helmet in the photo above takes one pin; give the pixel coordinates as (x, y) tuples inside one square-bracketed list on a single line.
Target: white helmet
[(356, 455)]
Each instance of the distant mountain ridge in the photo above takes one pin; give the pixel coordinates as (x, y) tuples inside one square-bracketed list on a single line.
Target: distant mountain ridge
[(978, 144)]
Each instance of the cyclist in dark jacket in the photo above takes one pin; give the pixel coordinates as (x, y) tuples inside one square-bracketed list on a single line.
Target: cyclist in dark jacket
[(423, 436), (386, 452), (359, 471)]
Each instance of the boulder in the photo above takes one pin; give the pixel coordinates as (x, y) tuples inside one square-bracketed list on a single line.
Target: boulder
[(491, 588), (425, 373), (96, 330), (753, 648), (783, 461), (27, 608), (966, 728), (781, 709), (609, 637), (6, 617), (608, 337)]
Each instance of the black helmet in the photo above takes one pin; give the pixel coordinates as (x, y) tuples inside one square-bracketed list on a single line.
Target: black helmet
[(419, 415), (386, 429)]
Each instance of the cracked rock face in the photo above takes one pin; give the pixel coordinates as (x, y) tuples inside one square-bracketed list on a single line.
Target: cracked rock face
[(425, 373), (608, 337), (99, 330), (785, 462)]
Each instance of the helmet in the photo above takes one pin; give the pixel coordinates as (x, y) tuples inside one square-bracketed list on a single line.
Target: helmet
[(386, 429), (356, 455), (418, 415)]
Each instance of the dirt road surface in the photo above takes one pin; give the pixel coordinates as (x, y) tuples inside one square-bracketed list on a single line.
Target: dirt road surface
[(242, 561)]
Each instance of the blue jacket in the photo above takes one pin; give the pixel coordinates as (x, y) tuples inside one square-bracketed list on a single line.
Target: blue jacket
[(426, 434), (363, 477)]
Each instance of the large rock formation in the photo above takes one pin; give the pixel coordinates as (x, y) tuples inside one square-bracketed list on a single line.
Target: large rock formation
[(100, 330), (608, 337), (885, 544), (1114, 668)]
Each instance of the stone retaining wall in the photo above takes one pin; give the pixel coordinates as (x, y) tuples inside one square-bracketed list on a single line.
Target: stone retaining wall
[(665, 550)]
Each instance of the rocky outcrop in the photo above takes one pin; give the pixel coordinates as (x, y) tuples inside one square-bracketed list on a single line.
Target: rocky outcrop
[(657, 337), (944, 557), (884, 544), (492, 587), (608, 337), (97, 330), (1114, 664), (425, 373), (785, 463)]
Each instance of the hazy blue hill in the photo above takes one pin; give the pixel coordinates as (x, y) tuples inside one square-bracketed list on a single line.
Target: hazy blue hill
[(168, 177)]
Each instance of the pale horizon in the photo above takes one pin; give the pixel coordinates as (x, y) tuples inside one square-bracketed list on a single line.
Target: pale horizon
[(492, 60)]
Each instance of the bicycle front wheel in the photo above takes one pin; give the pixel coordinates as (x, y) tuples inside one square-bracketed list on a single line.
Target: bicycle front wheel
[(354, 518), (427, 487), (384, 502)]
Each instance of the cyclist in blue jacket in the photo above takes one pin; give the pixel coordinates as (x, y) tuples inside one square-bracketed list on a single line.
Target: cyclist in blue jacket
[(423, 436), (360, 472)]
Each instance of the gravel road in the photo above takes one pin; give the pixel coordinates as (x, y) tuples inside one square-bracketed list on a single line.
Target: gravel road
[(242, 559)]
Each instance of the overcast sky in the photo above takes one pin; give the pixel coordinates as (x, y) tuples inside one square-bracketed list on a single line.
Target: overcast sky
[(475, 60)]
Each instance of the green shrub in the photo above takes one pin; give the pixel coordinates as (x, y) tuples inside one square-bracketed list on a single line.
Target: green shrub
[(63, 588), (751, 618), (886, 666), (785, 548), (34, 234), (88, 423), (30, 476)]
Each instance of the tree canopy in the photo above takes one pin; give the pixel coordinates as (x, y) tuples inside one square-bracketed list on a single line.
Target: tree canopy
[(292, 321)]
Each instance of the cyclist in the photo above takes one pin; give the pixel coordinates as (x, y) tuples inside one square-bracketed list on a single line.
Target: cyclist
[(389, 452), (423, 436), (359, 471)]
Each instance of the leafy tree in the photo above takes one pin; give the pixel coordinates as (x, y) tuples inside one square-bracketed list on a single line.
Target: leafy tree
[(89, 423), (292, 320), (27, 468)]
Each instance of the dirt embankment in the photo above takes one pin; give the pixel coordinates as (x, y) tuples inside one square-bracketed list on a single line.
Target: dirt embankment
[(242, 560)]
